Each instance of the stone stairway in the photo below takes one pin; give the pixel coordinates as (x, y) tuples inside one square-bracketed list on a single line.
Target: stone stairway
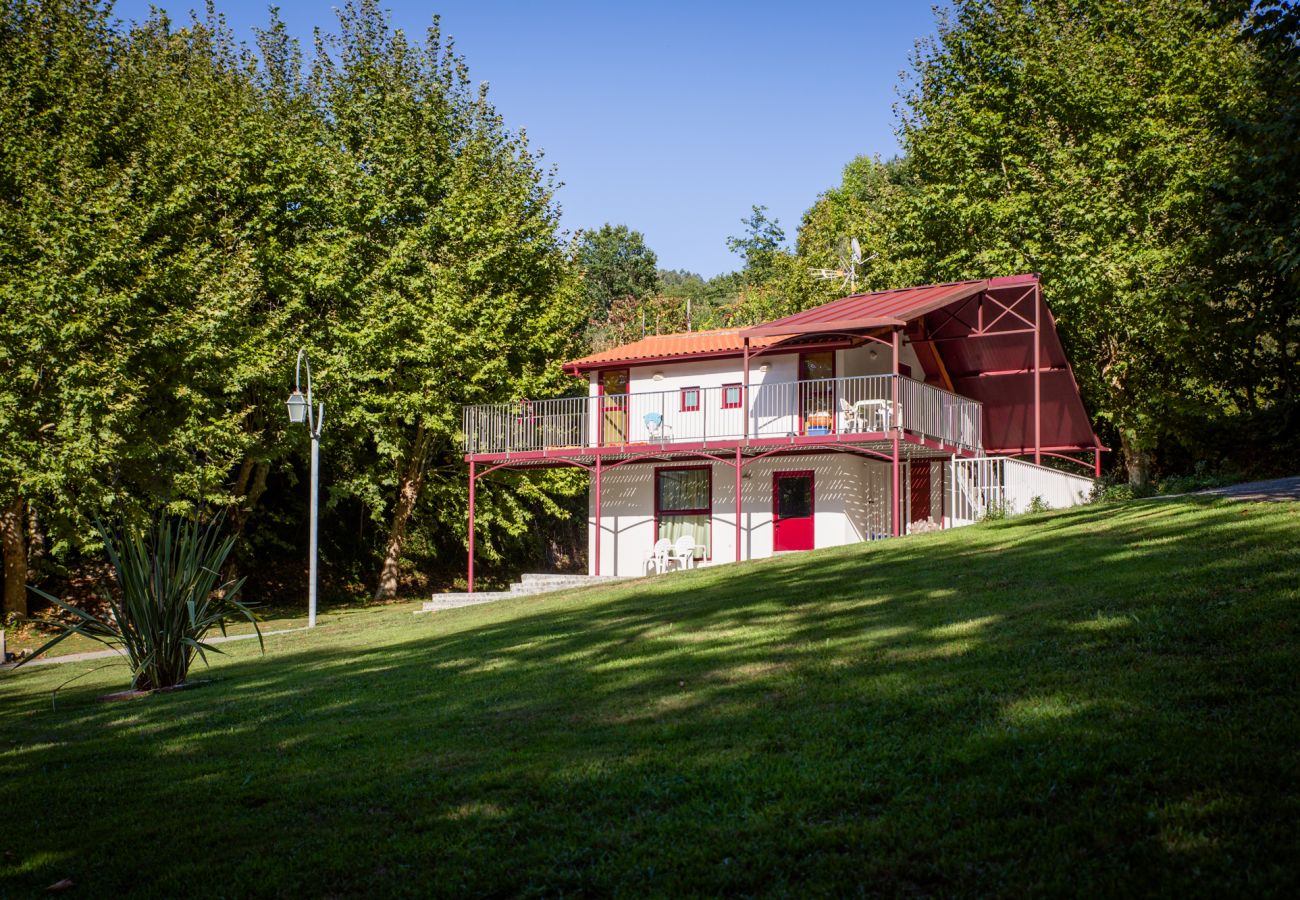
[(530, 583)]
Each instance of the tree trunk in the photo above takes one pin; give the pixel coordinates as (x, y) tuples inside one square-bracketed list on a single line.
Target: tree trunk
[(35, 544), (13, 531), (408, 493), (1137, 460), (249, 488)]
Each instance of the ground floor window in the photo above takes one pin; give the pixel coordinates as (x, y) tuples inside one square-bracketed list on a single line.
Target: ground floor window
[(683, 506)]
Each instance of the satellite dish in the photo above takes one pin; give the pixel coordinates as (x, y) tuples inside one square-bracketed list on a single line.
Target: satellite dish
[(849, 254)]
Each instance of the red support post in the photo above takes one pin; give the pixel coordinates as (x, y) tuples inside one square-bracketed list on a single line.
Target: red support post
[(1096, 462), (597, 566), (744, 392), (897, 487), (738, 530), (1038, 394), (472, 479)]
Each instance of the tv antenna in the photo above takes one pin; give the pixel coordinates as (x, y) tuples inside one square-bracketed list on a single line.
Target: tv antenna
[(849, 254)]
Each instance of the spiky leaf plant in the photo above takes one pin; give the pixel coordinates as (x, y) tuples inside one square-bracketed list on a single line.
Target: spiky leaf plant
[(169, 597)]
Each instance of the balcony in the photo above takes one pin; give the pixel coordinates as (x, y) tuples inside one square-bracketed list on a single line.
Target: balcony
[(837, 409)]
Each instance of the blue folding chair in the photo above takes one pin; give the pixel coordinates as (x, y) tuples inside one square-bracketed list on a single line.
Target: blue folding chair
[(654, 424)]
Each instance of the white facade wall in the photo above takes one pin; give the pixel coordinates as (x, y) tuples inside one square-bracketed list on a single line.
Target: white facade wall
[(773, 395), (850, 492), (850, 504), (774, 368), (858, 361)]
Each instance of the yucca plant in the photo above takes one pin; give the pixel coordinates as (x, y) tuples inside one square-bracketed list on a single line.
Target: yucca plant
[(169, 596)]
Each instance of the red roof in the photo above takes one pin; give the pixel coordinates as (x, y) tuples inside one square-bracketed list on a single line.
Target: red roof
[(975, 336), (658, 347), (883, 308)]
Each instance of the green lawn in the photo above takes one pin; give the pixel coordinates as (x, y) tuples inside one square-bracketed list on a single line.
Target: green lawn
[(35, 633), (1099, 701)]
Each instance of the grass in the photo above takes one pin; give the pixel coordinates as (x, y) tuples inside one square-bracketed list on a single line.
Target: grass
[(1097, 701), (279, 617)]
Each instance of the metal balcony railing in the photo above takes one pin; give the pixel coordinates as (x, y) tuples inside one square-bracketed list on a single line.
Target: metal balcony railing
[(861, 405)]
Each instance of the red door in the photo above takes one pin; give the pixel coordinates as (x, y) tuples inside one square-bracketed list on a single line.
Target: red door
[(920, 491), (792, 511)]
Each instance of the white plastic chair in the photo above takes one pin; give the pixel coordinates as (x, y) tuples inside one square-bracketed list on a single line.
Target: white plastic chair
[(684, 552), (659, 556), (654, 424), (855, 417)]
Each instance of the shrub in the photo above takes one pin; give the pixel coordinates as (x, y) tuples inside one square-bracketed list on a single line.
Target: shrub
[(1037, 504), (1198, 481), (168, 598), (996, 511)]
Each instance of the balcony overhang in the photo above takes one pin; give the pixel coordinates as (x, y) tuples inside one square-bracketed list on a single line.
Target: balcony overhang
[(877, 444)]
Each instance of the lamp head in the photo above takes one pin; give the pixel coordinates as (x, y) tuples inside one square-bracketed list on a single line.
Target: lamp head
[(297, 407)]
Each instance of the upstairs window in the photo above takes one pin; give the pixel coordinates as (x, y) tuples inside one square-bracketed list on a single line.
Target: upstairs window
[(731, 396), (690, 399)]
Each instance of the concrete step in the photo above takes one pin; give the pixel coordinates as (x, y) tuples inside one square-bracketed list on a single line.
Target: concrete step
[(539, 584), (530, 584), (566, 578)]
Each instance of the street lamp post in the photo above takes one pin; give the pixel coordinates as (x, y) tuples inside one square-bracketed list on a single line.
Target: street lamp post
[(299, 412)]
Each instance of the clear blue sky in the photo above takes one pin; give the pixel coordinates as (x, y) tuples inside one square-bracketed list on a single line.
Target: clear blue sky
[(670, 117)]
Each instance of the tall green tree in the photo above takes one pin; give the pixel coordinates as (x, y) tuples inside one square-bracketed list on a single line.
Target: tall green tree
[(1080, 139), (616, 265), (56, 113), (454, 286), (1250, 315), (180, 213), (156, 210), (759, 245)]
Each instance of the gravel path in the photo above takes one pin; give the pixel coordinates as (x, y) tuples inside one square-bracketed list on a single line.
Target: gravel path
[(108, 654), (1276, 489)]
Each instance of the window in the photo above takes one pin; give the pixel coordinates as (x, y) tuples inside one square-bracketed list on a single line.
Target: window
[(683, 506), (691, 399), (731, 396)]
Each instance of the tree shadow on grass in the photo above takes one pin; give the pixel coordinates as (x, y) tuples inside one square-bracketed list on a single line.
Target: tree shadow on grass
[(1099, 701)]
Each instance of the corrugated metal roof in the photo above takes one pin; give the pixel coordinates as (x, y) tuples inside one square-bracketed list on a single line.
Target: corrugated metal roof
[(882, 308), (653, 348), (991, 368)]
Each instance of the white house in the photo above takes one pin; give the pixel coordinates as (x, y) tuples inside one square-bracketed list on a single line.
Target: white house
[(857, 420)]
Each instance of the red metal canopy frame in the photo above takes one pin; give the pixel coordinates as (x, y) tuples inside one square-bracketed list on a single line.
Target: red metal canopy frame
[(603, 459), (992, 340)]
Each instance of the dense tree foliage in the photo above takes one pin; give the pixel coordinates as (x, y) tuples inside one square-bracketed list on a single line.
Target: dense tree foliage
[(618, 275), (180, 213), (1142, 157), (616, 264)]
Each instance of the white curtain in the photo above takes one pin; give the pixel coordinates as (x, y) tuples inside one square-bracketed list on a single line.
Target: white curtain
[(695, 526)]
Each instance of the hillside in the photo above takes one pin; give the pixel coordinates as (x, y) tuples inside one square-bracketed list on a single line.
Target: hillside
[(1101, 700)]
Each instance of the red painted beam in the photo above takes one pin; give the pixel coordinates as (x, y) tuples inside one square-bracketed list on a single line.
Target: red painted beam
[(472, 479)]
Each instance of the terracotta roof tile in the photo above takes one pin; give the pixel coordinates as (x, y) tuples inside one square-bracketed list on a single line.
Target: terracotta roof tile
[(657, 347)]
